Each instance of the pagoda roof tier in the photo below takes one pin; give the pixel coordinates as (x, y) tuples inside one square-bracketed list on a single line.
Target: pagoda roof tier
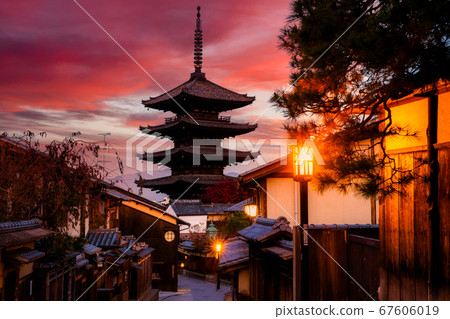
[(199, 128), (176, 185), (180, 151), (198, 93), (203, 179)]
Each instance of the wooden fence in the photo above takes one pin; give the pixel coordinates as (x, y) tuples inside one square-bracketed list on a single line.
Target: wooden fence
[(407, 262), (343, 262)]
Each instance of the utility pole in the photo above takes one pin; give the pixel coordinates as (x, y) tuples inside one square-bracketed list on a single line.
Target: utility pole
[(103, 153)]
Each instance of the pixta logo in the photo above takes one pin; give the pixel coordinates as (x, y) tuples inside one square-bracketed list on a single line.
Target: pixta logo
[(142, 149), (146, 152)]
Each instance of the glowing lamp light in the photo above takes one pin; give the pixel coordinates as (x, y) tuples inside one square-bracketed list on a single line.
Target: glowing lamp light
[(218, 248), (182, 265), (251, 210), (303, 162)]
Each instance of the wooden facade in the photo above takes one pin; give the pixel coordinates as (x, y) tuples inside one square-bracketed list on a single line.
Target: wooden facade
[(18, 257), (270, 275), (415, 226), (405, 233), (153, 230), (149, 222), (356, 250), (260, 261)]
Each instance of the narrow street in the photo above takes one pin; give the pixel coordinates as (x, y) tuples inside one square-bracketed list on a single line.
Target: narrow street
[(190, 288)]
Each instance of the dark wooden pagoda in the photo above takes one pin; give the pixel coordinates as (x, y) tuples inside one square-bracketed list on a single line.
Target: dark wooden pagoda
[(197, 104)]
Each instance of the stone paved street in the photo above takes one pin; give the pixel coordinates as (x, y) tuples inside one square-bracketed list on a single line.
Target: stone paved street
[(190, 288)]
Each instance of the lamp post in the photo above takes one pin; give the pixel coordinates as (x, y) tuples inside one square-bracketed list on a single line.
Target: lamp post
[(303, 169), (218, 248)]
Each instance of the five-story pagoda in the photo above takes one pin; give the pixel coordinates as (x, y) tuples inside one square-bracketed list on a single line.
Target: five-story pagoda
[(197, 105)]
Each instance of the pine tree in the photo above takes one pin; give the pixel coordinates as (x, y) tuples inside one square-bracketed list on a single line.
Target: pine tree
[(348, 59)]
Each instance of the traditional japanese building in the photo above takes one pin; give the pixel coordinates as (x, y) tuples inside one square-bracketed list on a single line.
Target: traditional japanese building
[(197, 130)]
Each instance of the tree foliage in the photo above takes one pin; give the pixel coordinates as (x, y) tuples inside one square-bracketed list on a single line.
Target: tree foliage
[(201, 241), (235, 223), (225, 192), (343, 76), (59, 183), (57, 246)]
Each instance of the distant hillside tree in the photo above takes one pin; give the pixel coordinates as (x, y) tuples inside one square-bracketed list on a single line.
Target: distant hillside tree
[(225, 192)]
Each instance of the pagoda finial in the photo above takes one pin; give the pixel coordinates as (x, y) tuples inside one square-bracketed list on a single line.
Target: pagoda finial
[(198, 47)]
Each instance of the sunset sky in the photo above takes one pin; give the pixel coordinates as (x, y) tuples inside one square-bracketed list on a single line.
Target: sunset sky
[(61, 73)]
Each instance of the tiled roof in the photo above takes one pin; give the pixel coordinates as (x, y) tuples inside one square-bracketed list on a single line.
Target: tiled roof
[(25, 255), (91, 249), (239, 207), (287, 244), (255, 231), (235, 252), (117, 194), (188, 245), (145, 252), (188, 208), (105, 238), (238, 156), (116, 261), (122, 194), (216, 208), (263, 228), (279, 251), (201, 88), (17, 233), (199, 179), (136, 266), (12, 226), (164, 129), (343, 226), (81, 260)]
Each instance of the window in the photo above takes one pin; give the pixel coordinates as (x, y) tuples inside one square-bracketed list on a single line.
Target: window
[(169, 236)]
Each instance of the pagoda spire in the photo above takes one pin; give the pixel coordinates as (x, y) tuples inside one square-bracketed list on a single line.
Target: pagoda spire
[(198, 47)]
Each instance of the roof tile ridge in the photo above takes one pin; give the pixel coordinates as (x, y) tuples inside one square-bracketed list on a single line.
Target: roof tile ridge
[(242, 94), (186, 87), (168, 93)]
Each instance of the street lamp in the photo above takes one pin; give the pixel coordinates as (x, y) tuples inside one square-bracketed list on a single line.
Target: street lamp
[(251, 210), (303, 161), (303, 170), (218, 248)]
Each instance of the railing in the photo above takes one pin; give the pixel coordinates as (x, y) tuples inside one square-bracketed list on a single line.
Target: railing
[(199, 116), (225, 118), (171, 119)]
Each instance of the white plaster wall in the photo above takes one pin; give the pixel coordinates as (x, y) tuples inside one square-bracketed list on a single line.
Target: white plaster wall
[(335, 208), (198, 224), (280, 193), (329, 208)]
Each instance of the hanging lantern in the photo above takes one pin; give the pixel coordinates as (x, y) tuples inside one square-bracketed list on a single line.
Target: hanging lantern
[(251, 210), (303, 161)]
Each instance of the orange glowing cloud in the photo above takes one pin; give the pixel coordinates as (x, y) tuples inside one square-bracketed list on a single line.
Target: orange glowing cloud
[(57, 66)]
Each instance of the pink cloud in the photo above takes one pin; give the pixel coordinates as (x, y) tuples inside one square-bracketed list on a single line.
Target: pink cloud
[(53, 57)]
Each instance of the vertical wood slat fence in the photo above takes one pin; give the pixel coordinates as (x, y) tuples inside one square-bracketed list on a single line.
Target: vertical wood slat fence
[(353, 248), (406, 230)]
